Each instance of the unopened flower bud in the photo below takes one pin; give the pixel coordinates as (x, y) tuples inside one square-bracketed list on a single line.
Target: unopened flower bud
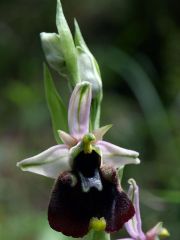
[(52, 49)]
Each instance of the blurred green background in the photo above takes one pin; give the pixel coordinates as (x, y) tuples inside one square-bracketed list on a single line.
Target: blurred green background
[(137, 45)]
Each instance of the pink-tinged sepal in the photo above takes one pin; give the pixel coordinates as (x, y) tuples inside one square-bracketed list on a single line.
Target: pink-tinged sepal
[(79, 110), (134, 226)]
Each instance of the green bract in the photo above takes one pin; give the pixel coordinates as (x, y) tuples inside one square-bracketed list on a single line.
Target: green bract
[(56, 106), (67, 45)]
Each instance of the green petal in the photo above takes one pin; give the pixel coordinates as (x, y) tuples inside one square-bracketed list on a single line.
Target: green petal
[(100, 132), (67, 139)]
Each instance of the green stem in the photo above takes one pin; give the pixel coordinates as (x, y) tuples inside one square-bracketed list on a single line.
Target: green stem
[(97, 235)]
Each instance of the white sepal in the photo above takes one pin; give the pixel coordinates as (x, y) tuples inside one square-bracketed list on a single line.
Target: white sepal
[(49, 163)]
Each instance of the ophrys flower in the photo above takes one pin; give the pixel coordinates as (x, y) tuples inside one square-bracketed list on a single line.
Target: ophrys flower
[(87, 191)]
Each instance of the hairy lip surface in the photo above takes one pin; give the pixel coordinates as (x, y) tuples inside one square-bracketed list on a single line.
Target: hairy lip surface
[(71, 209)]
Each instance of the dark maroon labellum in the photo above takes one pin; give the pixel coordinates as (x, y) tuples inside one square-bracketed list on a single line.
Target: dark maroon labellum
[(71, 208)]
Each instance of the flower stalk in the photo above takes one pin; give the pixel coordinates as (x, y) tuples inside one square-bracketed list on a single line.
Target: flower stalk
[(97, 235)]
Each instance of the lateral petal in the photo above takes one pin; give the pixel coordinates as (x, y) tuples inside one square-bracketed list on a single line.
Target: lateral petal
[(67, 139), (79, 110), (49, 163), (100, 132)]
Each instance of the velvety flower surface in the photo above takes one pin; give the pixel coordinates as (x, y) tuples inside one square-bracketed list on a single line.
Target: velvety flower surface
[(134, 225), (87, 189), (71, 210)]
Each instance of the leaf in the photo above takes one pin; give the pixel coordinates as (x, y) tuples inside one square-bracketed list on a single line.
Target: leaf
[(56, 106), (67, 45)]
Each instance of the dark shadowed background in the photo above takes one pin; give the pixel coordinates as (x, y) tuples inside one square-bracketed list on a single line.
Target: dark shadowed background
[(137, 45)]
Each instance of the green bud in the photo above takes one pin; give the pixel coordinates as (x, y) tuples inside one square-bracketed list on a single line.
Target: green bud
[(51, 45), (89, 71), (164, 233), (88, 67)]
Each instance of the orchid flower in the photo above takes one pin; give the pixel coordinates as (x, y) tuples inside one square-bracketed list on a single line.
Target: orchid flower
[(134, 225), (87, 192)]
